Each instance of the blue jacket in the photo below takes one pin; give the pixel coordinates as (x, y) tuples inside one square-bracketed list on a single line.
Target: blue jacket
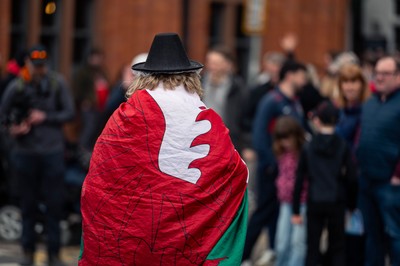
[(379, 146), (349, 123), (271, 106)]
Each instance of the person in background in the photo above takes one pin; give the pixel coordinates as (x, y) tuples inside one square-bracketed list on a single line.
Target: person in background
[(272, 64), (36, 110), (288, 139), (224, 91), (328, 87), (169, 186), (266, 81), (379, 161), (309, 96), (326, 162), (90, 91), (14, 68), (353, 92), (281, 101), (117, 95)]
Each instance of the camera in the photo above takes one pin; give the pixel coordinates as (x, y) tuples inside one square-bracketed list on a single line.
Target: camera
[(20, 108)]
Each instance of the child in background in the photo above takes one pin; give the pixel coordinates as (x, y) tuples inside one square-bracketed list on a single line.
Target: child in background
[(327, 164), (290, 244)]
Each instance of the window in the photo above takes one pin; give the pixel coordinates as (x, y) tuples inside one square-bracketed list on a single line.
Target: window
[(82, 30), (397, 7), (19, 14), (242, 45), (50, 28), (216, 24)]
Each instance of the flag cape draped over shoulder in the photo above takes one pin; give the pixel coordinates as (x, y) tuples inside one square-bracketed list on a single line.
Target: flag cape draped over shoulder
[(165, 186)]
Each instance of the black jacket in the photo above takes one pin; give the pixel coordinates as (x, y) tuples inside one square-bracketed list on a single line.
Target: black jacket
[(51, 95), (328, 165), (251, 104), (233, 110)]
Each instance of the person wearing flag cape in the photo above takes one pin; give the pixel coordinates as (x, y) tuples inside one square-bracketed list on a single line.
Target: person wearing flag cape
[(165, 185)]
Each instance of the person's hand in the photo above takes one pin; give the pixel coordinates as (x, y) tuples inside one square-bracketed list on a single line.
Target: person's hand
[(296, 219), (395, 181), (36, 117), (289, 42), (20, 129), (249, 155)]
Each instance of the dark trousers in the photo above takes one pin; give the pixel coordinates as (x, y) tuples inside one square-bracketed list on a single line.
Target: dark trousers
[(41, 178), (355, 250), (266, 213), (331, 216), (380, 206)]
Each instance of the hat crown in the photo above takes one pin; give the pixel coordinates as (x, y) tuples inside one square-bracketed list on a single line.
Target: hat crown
[(167, 51), (167, 55)]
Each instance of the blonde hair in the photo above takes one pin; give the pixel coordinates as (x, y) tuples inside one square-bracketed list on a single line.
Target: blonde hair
[(190, 81), (351, 72)]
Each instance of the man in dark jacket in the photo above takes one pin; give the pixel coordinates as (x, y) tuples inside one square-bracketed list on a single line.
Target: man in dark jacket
[(280, 101), (272, 64), (224, 91), (36, 110), (379, 161), (90, 91)]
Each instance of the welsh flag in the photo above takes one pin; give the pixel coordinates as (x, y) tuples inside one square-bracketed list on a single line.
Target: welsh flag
[(165, 186)]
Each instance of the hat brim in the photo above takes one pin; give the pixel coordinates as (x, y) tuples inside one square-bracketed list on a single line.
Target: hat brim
[(193, 67)]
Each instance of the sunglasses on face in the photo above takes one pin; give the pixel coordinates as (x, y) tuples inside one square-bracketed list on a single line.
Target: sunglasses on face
[(38, 55)]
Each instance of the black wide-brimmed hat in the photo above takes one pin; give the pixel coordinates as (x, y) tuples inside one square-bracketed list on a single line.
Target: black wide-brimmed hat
[(167, 56)]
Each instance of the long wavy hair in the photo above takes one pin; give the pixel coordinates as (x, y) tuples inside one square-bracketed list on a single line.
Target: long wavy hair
[(190, 81)]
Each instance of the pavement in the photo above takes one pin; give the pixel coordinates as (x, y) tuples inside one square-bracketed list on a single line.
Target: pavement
[(10, 255)]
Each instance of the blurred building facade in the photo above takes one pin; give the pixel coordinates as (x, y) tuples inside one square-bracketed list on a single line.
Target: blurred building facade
[(125, 28), (381, 24)]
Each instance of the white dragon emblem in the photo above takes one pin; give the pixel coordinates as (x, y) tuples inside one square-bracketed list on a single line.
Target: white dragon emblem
[(180, 110)]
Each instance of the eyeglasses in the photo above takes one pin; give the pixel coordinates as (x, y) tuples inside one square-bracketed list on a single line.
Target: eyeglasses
[(38, 55), (385, 74)]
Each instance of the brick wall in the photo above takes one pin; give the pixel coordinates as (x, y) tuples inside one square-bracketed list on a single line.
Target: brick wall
[(319, 25), (125, 28), (5, 17)]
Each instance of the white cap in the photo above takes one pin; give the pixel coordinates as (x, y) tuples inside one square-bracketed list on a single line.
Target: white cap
[(140, 58)]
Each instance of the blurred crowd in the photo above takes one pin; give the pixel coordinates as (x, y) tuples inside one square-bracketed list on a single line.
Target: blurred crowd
[(325, 145)]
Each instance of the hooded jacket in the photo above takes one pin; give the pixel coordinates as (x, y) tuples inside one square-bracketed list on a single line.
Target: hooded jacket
[(328, 165)]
